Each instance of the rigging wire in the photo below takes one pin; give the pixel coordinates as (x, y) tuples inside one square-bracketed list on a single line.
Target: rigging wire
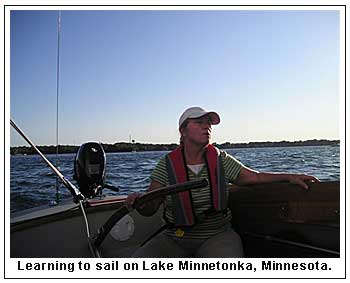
[(57, 96)]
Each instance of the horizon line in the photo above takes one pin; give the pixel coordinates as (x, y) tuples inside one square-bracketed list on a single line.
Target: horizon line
[(118, 142)]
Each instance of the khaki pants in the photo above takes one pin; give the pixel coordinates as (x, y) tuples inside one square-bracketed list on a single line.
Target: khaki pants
[(224, 244)]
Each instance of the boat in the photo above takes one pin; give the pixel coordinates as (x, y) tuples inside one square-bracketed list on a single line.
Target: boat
[(273, 220)]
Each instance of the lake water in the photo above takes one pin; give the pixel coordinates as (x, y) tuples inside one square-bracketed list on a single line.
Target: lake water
[(33, 182)]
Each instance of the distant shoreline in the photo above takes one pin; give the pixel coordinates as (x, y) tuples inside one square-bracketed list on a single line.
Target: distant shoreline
[(130, 147)]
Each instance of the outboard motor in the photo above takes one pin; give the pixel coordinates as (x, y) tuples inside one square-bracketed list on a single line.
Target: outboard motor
[(90, 168)]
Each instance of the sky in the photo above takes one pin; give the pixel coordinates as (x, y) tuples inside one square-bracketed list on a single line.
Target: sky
[(270, 75)]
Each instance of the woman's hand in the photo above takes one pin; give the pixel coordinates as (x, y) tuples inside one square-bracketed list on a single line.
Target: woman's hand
[(301, 179), (146, 209), (130, 200)]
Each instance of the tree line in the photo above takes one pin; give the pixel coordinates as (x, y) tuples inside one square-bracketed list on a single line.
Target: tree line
[(130, 147)]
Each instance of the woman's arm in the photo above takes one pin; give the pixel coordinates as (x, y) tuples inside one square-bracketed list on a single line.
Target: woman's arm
[(248, 176)]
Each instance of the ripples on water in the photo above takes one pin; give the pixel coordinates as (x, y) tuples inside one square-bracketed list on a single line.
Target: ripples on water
[(33, 182)]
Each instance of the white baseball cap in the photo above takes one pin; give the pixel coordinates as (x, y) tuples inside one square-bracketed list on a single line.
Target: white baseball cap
[(196, 112)]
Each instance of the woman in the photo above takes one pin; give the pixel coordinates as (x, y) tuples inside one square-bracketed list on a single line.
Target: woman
[(199, 221)]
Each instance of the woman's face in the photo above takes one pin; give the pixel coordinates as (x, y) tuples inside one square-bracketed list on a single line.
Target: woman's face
[(198, 130)]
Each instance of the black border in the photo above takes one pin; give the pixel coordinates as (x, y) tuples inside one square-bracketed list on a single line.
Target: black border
[(344, 143)]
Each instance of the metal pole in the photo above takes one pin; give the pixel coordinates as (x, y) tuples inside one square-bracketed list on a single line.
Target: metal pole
[(74, 191)]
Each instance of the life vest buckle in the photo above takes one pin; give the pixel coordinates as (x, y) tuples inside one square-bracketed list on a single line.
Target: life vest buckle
[(179, 233)]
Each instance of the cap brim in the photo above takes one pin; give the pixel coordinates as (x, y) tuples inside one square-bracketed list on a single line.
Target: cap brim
[(215, 118)]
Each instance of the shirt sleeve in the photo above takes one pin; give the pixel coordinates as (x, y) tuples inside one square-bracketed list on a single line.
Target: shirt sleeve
[(159, 173), (232, 166)]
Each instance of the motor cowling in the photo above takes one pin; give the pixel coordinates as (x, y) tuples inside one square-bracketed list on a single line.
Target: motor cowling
[(90, 168)]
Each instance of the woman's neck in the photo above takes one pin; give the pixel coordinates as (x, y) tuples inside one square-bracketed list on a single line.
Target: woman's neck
[(194, 154)]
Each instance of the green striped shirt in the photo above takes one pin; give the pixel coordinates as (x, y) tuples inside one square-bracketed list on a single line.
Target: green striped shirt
[(208, 225)]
